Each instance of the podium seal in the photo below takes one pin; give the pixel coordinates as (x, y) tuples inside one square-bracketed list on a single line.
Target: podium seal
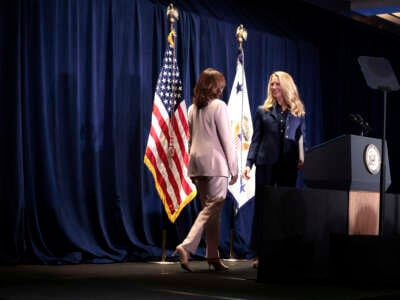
[(372, 159)]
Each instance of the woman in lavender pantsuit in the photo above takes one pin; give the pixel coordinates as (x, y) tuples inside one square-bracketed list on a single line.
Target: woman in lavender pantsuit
[(212, 165)]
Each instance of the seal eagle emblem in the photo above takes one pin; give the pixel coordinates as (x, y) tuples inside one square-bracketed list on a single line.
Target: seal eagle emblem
[(372, 159)]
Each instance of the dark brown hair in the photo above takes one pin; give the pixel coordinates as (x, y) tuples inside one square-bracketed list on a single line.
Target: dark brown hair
[(209, 86)]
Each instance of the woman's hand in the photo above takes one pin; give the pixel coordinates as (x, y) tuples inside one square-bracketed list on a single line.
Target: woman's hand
[(233, 179), (246, 173)]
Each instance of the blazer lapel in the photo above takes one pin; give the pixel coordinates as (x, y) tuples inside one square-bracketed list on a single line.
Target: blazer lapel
[(274, 112)]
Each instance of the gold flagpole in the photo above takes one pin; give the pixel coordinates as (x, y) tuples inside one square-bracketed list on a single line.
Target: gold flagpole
[(173, 15), (241, 36)]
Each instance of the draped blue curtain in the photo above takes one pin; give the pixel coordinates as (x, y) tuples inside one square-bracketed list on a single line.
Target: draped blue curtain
[(77, 84)]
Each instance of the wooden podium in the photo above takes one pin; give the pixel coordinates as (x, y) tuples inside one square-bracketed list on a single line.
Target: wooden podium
[(330, 228), (363, 213), (351, 163)]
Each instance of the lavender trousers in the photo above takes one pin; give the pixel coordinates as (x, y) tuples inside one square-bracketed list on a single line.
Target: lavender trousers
[(212, 193)]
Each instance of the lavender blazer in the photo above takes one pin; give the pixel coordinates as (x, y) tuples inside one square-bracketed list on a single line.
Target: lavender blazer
[(211, 148)]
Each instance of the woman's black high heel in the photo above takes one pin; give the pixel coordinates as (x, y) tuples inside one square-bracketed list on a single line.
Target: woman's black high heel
[(183, 258), (217, 264)]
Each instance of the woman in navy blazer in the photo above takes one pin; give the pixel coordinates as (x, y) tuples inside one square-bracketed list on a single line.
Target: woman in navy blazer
[(277, 145)]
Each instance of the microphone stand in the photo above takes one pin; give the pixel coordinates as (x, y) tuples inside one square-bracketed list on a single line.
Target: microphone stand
[(383, 169)]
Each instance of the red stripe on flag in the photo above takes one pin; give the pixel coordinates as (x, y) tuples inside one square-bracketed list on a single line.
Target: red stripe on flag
[(184, 121), (185, 126), (162, 154), (186, 187), (160, 182), (177, 133)]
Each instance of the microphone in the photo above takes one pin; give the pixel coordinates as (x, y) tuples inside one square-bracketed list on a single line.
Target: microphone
[(353, 118), (359, 121), (366, 127)]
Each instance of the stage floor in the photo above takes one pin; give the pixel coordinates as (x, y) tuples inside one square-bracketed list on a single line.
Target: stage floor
[(165, 281)]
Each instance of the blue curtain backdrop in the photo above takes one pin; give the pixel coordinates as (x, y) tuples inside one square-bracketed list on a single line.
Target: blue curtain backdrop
[(77, 84)]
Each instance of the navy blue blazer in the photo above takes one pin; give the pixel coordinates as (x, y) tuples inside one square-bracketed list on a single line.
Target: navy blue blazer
[(265, 142)]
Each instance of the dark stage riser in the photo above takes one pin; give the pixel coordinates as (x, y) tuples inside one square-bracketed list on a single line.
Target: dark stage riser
[(306, 237)]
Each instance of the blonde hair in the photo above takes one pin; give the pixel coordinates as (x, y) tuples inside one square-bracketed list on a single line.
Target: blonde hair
[(289, 92)]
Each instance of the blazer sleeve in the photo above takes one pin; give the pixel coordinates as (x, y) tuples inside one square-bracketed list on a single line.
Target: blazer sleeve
[(226, 138), (303, 133), (255, 139), (190, 114)]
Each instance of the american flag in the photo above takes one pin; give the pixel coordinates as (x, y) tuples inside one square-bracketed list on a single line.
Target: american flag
[(242, 126), (167, 146)]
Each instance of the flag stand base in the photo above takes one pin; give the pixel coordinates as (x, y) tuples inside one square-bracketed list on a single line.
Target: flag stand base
[(163, 251), (234, 259), (231, 258), (163, 262)]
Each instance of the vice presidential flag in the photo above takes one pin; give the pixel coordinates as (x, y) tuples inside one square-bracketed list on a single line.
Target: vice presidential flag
[(167, 147), (242, 126)]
